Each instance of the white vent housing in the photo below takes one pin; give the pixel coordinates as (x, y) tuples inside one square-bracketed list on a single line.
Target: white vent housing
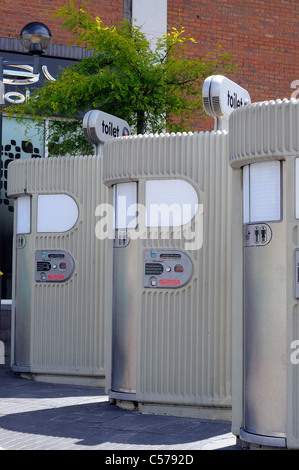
[(220, 97)]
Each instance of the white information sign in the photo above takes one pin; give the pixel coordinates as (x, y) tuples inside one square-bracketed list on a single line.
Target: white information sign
[(99, 127)]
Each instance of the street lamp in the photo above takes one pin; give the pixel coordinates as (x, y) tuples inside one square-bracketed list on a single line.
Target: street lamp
[(36, 38)]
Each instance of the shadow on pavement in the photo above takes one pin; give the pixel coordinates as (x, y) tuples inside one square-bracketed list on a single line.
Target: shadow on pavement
[(83, 417)]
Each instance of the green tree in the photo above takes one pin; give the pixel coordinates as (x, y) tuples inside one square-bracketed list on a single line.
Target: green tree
[(152, 88)]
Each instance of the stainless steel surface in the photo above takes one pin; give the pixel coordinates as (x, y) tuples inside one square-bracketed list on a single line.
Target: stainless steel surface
[(262, 440), (124, 326), (265, 336), (22, 314)]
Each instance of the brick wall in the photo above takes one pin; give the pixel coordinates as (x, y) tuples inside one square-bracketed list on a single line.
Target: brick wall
[(14, 14), (261, 36)]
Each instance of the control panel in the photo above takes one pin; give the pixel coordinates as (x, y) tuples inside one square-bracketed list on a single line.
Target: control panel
[(166, 268), (53, 265), (257, 234)]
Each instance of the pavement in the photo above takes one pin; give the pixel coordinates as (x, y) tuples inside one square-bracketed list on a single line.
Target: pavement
[(43, 416)]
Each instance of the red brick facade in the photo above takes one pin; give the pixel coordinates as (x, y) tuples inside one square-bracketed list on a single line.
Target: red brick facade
[(14, 14), (259, 34)]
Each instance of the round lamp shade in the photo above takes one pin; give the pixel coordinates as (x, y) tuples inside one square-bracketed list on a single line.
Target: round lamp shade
[(35, 37)]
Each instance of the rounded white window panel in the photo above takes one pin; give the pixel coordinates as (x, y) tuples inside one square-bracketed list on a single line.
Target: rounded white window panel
[(171, 202), (23, 209), (56, 213)]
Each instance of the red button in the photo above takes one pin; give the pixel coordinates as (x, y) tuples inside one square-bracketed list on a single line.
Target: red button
[(179, 268), (169, 282), (55, 276)]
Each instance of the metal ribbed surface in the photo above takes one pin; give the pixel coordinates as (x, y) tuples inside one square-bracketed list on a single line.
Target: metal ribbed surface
[(50, 175), (155, 155), (184, 335), (263, 131), (67, 320)]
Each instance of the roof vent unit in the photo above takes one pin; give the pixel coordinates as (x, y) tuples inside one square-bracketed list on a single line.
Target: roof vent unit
[(220, 97)]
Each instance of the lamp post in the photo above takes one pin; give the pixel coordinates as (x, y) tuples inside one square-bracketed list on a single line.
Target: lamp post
[(35, 38)]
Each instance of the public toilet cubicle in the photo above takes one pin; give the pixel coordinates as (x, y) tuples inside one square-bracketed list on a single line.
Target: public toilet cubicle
[(169, 336), (58, 270), (264, 155), (59, 263)]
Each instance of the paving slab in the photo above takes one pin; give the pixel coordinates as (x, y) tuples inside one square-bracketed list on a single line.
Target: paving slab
[(42, 416)]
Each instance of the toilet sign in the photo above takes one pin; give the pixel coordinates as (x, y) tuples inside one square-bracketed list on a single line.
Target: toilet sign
[(99, 127), (221, 97)]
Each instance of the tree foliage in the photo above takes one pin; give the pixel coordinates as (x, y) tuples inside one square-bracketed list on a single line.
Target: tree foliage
[(152, 87)]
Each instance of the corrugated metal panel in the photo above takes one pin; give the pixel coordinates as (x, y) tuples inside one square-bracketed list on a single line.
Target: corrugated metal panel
[(163, 157), (267, 130), (67, 320), (184, 335), (260, 132)]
